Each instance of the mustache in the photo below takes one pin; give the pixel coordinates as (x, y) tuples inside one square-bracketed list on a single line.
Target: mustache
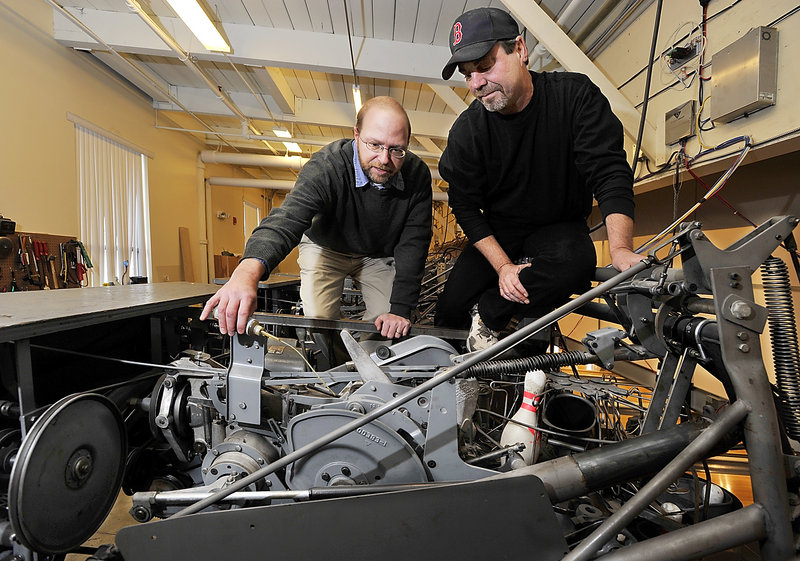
[(489, 88)]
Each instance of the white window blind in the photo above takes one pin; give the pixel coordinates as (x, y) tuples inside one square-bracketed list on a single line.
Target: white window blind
[(115, 215)]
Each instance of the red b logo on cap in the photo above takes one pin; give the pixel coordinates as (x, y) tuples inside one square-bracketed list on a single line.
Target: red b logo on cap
[(457, 35)]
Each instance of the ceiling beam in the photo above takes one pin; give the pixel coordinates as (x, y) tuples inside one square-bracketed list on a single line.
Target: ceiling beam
[(259, 46), (429, 144), (278, 88), (134, 77), (307, 111), (536, 20), (450, 97), (339, 114)]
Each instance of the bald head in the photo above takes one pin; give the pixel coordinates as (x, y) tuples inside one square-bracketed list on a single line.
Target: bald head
[(383, 107)]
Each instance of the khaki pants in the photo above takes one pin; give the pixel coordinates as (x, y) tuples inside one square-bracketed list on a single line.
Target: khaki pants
[(322, 274)]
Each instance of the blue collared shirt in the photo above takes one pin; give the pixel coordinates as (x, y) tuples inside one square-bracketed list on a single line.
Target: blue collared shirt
[(362, 180)]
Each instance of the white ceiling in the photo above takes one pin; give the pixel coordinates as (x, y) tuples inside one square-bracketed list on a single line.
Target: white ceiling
[(291, 62)]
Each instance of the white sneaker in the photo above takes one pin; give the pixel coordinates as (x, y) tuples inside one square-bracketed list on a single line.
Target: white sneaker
[(480, 337)]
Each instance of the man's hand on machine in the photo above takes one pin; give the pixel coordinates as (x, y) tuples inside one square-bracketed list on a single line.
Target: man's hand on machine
[(623, 259), (510, 286), (236, 301), (393, 326)]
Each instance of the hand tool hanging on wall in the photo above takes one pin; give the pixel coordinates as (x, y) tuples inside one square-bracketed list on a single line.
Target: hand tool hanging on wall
[(51, 260), (25, 249), (39, 249)]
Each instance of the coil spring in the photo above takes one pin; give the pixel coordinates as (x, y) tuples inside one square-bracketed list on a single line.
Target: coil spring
[(783, 336), (538, 362)]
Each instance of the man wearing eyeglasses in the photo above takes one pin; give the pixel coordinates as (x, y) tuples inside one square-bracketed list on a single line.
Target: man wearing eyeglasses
[(523, 162), (360, 207)]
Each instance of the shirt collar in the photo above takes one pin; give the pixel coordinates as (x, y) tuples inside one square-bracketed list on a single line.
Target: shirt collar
[(363, 181)]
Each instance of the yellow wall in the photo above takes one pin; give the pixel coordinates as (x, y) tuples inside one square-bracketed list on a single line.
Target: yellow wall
[(627, 55), (42, 82)]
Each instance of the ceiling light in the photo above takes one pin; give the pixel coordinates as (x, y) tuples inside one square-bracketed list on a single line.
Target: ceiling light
[(282, 132), (357, 97), (195, 17)]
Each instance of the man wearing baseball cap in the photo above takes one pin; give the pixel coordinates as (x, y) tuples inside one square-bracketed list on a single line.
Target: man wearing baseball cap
[(523, 162)]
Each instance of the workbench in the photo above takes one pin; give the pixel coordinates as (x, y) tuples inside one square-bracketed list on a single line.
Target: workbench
[(52, 315)]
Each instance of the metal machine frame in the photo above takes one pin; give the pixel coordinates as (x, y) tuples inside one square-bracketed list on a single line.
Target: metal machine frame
[(657, 305)]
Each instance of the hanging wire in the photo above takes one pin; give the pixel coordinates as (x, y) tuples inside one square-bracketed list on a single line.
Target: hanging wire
[(350, 43), (710, 193)]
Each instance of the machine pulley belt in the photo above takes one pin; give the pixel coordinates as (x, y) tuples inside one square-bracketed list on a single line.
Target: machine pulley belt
[(426, 386)]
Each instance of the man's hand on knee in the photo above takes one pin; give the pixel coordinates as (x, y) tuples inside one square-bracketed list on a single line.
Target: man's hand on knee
[(393, 326), (510, 286)]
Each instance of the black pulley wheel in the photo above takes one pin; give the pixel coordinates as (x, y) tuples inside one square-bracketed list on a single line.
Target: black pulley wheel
[(67, 473)]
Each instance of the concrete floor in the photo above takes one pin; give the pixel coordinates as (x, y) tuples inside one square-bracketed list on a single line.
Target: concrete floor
[(117, 518)]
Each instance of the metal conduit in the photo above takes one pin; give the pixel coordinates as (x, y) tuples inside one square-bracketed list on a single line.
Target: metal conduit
[(191, 65)]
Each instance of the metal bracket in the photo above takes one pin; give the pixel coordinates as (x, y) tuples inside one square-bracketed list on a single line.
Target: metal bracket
[(749, 252), (441, 442), (601, 343), (244, 380)]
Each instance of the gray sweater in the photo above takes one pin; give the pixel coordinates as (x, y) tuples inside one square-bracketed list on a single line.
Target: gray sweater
[(326, 205)]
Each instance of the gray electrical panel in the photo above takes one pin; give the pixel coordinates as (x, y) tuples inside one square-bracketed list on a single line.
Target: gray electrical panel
[(744, 75), (679, 123)]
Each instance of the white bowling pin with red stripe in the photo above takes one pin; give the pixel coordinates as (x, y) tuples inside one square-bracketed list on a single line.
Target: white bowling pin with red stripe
[(527, 413)]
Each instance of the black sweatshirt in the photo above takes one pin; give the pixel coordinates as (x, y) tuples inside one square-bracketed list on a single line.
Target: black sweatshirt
[(326, 205), (541, 165)]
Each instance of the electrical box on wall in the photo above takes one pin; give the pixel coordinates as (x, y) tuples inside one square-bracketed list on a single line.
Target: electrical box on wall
[(744, 75), (679, 123)]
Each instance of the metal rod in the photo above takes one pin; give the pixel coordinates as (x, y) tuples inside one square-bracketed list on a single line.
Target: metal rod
[(469, 360), (693, 542), (171, 498), (209, 370), (289, 320), (729, 418), (66, 13)]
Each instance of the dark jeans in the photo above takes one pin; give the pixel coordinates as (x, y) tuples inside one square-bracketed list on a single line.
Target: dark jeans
[(563, 262)]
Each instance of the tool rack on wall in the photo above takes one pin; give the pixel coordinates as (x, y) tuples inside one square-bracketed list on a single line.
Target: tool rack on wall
[(40, 262)]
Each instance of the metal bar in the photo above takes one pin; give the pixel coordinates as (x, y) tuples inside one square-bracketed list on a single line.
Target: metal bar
[(693, 542), (469, 360), (288, 320), (568, 477), (666, 375), (208, 371), (741, 353), (631, 509), (171, 498), (679, 390), (366, 367), (25, 388)]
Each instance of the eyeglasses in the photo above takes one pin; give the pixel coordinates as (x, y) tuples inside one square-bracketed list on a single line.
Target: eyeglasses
[(394, 151)]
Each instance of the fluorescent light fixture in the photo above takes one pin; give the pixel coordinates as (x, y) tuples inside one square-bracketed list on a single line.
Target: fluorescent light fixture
[(195, 17), (357, 97), (283, 133)]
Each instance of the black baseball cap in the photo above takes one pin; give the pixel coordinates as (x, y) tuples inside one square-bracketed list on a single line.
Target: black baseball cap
[(474, 34)]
